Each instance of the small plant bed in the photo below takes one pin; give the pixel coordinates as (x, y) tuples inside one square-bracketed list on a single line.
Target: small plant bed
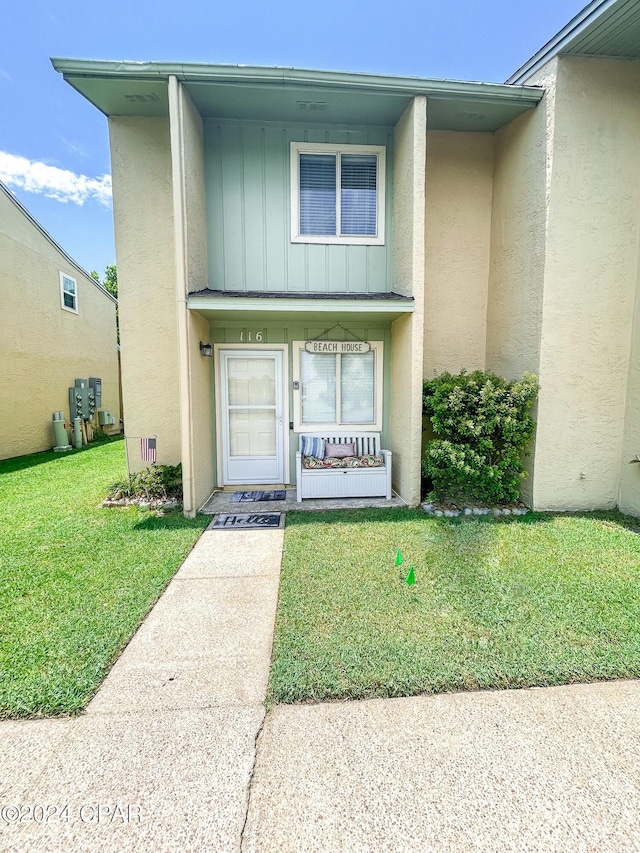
[(497, 603), (451, 510), (157, 487), (75, 581)]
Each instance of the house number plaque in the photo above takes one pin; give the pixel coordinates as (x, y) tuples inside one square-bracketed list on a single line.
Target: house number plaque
[(337, 347)]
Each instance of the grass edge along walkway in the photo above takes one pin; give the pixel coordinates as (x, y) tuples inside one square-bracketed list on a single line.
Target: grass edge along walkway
[(535, 600), (76, 579)]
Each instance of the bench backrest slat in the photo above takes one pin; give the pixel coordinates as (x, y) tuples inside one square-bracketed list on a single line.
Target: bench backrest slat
[(366, 442)]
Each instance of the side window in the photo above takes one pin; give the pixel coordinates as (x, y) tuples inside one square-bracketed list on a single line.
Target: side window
[(338, 390), (68, 293), (337, 193)]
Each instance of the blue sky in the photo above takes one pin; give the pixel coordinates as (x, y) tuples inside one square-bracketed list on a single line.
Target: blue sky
[(54, 143)]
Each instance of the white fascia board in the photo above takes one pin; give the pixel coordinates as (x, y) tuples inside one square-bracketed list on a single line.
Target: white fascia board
[(317, 306)]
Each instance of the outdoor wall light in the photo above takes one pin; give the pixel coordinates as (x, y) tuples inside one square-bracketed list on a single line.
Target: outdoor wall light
[(206, 350)]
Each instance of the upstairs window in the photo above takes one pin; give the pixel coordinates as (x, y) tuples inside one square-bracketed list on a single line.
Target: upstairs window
[(337, 193), (68, 293)]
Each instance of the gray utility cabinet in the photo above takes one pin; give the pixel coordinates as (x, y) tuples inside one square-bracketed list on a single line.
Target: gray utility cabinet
[(82, 400)]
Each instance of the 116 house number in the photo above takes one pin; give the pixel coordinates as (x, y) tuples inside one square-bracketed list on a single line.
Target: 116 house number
[(250, 336)]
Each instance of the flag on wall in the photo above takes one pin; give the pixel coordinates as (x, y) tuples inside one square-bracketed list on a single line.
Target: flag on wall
[(148, 449)]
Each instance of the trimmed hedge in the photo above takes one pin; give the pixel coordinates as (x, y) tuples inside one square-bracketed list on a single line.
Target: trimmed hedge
[(483, 424)]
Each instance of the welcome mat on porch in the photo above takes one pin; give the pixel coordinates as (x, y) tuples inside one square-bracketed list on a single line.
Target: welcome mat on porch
[(248, 497), (226, 521)]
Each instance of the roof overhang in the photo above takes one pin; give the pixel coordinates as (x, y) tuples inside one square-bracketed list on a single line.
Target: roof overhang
[(608, 28), (294, 95), (380, 308)]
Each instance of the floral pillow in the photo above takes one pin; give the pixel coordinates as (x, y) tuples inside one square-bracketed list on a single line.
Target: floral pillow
[(339, 451)]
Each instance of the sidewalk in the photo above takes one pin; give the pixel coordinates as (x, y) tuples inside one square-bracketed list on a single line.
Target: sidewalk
[(553, 769), (174, 753)]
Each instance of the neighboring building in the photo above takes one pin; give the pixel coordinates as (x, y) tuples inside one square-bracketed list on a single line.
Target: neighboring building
[(451, 225), (58, 324)]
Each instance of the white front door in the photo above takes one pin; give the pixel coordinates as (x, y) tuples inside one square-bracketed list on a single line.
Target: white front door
[(251, 409)]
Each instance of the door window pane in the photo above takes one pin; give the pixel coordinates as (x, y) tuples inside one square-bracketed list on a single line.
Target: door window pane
[(252, 432), (318, 374), (357, 388), (252, 381)]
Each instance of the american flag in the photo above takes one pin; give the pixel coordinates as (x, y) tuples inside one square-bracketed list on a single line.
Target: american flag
[(148, 449)]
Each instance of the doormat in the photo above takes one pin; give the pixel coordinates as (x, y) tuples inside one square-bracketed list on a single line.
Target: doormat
[(249, 497), (247, 521)]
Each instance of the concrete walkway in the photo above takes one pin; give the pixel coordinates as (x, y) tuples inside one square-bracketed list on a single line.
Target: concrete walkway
[(174, 753)]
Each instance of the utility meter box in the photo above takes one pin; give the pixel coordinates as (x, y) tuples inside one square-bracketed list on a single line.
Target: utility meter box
[(81, 401), (75, 402), (96, 383)]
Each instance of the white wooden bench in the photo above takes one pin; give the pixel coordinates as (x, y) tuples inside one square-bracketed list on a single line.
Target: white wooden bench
[(346, 482)]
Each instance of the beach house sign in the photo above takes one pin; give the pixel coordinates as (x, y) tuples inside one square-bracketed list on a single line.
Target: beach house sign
[(337, 347)]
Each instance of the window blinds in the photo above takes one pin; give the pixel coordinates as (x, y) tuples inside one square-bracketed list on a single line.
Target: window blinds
[(318, 374), (317, 194), (357, 190), (358, 194), (357, 386)]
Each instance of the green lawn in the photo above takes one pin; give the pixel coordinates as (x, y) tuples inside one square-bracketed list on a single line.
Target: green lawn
[(75, 579), (497, 603)]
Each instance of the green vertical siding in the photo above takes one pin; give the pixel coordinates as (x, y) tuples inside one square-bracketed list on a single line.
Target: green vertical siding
[(248, 214)]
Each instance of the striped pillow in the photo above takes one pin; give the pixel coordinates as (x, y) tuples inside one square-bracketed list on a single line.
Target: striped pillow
[(312, 446)]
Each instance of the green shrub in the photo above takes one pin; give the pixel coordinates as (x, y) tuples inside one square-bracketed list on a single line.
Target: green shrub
[(483, 426), (156, 482)]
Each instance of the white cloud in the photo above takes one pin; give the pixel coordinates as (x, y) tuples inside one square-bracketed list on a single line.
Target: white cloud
[(60, 184)]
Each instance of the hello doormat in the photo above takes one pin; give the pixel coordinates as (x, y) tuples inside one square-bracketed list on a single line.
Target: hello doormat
[(247, 521)]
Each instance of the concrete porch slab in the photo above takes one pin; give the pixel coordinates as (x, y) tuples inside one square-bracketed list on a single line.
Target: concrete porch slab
[(220, 502)]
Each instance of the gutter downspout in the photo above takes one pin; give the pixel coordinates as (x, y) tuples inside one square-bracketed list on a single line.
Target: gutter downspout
[(179, 220)]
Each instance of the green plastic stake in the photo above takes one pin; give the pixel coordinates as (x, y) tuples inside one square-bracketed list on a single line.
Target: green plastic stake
[(399, 558), (411, 577)]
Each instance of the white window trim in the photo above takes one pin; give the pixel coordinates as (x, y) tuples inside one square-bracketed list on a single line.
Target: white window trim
[(329, 148), (64, 275), (298, 426)]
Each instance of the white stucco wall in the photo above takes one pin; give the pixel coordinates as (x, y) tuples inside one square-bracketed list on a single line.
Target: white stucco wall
[(591, 272), (522, 175), (191, 274), (408, 278), (44, 348), (143, 222), (518, 237), (457, 250)]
